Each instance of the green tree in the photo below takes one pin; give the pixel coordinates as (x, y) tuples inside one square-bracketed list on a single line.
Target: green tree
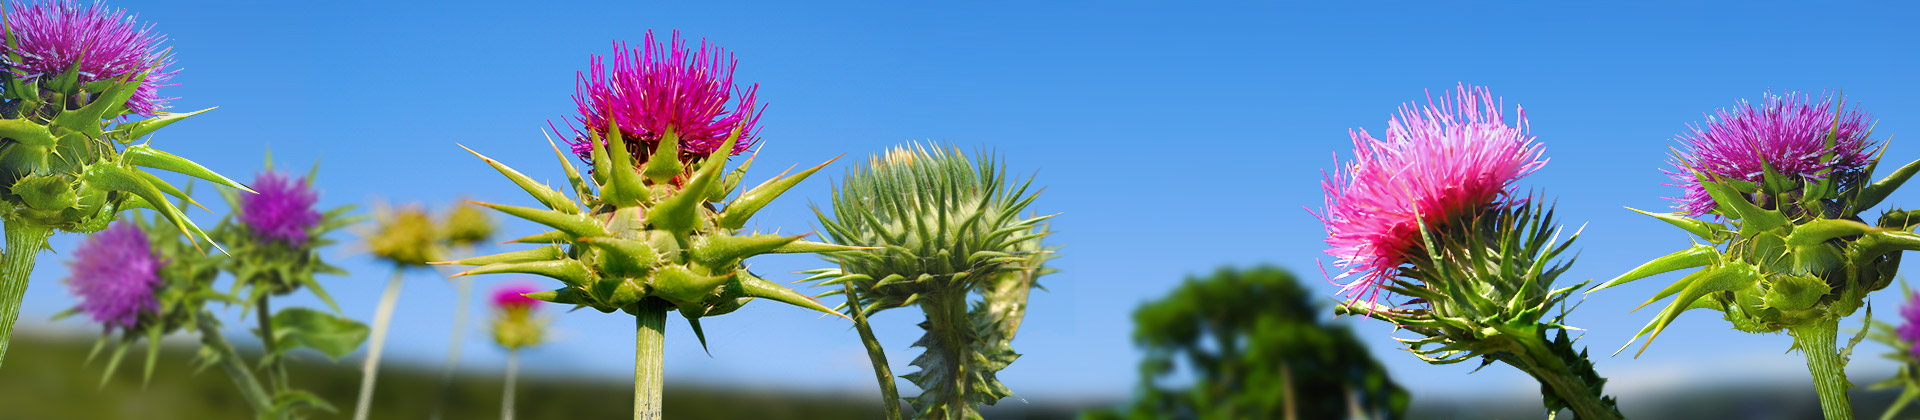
[(1255, 347)]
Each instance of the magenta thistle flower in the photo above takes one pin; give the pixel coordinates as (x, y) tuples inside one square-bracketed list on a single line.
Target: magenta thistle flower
[(513, 297), (114, 274), (1787, 133), (1449, 159), (107, 44), (282, 210), (660, 87), (1910, 324)]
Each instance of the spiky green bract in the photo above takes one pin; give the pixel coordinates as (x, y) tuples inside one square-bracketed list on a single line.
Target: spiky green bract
[(1485, 288), (941, 226), (629, 236)]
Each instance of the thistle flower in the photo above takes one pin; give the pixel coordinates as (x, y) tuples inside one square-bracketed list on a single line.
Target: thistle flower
[(1796, 135), (1910, 326), (114, 274), (1449, 159), (467, 226), (405, 236), (513, 297), (100, 43), (660, 91), (282, 210)]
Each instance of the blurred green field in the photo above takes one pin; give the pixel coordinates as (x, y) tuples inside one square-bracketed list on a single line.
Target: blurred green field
[(45, 378)]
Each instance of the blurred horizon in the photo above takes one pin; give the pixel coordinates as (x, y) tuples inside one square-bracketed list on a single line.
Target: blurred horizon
[(1172, 139)]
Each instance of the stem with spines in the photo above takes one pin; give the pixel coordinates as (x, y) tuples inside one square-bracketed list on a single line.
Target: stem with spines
[(1817, 341), (943, 377), (382, 317), (24, 242)]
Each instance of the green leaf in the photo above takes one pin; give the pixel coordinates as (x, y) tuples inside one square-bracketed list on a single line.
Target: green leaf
[(573, 224), (1695, 256), (333, 336), (750, 202), (26, 132), (142, 128), (571, 272), (1879, 190), (754, 286), (1701, 228), (726, 250), (1822, 230), (547, 196), (143, 155)]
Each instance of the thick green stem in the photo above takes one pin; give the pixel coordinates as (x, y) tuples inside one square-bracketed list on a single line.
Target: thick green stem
[(236, 367), (1557, 375), (649, 351), (950, 332), (1829, 370), (276, 369), (382, 316), (889, 396), (24, 242), (513, 372)]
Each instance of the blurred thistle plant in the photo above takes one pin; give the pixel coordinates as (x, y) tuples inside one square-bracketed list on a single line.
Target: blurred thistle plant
[(275, 238), (647, 235), (515, 327), (74, 80), (1785, 249), (1905, 341), (466, 228), (181, 285), (938, 227), (1429, 213), (408, 238)]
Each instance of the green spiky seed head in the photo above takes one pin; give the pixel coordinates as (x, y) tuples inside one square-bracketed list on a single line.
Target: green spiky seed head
[(649, 229), (467, 226), (405, 236), (937, 222)]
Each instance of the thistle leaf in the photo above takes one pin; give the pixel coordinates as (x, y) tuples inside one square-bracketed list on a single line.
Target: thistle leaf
[(145, 156)]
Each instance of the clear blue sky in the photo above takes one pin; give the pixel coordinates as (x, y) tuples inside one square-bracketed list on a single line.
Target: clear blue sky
[(1172, 138)]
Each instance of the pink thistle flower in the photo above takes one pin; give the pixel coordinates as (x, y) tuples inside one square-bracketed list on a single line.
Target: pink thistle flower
[(114, 273), (106, 43), (513, 297), (282, 210), (1909, 328), (1449, 159), (1787, 133), (664, 86)]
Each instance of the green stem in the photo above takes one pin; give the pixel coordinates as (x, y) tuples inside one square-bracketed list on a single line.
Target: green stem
[(1557, 375), (1829, 369), (382, 316), (463, 293), (513, 372), (949, 332), (649, 347), (276, 371), (236, 367), (24, 242), (889, 396)]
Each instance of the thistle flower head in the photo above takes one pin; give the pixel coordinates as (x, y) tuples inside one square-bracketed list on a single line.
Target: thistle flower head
[(1796, 135), (661, 88), (405, 236), (1910, 324), (282, 210), (114, 274), (513, 297), (467, 225), (100, 43), (1450, 159)]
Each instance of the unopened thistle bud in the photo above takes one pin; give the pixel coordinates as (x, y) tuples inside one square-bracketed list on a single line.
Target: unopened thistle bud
[(405, 236), (467, 226)]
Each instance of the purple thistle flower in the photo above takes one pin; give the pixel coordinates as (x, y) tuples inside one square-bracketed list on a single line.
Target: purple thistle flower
[(114, 274), (657, 87), (1909, 329), (53, 34), (513, 297), (1449, 159), (1787, 133), (282, 210)]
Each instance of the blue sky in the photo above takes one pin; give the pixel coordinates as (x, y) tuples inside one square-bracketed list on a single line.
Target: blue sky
[(1172, 138)]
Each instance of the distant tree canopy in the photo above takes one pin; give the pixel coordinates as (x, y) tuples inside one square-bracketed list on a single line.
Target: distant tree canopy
[(1251, 344)]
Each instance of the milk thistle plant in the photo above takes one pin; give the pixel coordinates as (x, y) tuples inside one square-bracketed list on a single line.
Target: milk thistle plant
[(515, 327), (1904, 338), (80, 87), (144, 286), (653, 229), (1429, 213), (466, 228), (408, 238), (941, 227), (1778, 189)]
